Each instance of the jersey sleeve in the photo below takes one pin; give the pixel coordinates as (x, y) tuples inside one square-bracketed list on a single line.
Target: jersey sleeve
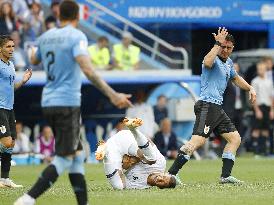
[(214, 62), (80, 46), (233, 72)]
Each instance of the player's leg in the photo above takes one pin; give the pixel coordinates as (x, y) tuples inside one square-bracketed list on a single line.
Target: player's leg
[(185, 153), (114, 174), (142, 141), (66, 144), (204, 124), (255, 140), (8, 134), (265, 127), (264, 141), (77, 178), (228, 131)]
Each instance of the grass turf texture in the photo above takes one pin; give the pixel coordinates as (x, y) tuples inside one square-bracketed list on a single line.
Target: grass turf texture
[(200, 178)]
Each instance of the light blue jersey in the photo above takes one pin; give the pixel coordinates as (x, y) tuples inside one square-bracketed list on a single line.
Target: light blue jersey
[(214, 80), (57, 49), (7, 77)]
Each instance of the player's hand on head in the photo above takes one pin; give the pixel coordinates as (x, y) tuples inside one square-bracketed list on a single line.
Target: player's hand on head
[(252, 95), (221, 34), (121, 100), (27, 75)]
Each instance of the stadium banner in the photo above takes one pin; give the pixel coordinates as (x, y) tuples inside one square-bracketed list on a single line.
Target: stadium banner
[(188, 11)]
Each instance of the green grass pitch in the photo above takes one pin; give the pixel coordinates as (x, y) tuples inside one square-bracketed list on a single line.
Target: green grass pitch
[(200, 178)]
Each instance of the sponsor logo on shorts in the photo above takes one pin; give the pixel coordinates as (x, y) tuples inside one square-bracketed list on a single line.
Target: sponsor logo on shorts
[(206, 129), (3, 129)]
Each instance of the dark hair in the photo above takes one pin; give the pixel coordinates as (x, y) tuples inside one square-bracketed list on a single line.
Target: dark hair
[(50, 19), (172, 182), (54, 3), (69, 10), (4, 39), (161, 96), (230, 38), (102, 38)]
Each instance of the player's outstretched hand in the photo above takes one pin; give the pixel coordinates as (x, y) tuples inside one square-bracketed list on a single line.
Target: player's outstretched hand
[(252, 95), (221, 35), (27, 75), (121, 100)]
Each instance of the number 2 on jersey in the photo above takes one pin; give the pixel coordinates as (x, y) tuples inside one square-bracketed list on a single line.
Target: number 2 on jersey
[(51, 56)]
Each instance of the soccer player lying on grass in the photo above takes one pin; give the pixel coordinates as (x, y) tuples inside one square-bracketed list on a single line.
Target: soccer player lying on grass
[(131, 151)]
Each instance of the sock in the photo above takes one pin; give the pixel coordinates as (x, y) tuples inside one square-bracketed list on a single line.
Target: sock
[(5, 165), (144, 144), (228, 163), (262, 145), (79, 186), (47, 178), (179, 162), (255, 145)]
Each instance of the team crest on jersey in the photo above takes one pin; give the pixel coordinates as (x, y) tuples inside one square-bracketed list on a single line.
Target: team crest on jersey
[(206, 129), (3, 129)]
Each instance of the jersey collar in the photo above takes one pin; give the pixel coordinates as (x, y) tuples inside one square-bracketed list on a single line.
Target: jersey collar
[(222, 59), (7, 63)]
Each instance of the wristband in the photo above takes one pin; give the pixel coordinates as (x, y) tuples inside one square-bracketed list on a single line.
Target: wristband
[(218, 43)]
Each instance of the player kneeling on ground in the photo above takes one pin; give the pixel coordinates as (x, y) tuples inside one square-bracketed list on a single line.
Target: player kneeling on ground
[(132, 161)]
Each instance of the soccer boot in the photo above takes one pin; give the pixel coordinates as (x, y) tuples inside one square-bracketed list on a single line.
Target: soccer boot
[(132, 123), (230, 180), (9, 183)]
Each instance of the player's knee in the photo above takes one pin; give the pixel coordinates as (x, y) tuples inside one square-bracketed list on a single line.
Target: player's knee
[(118, 186), (77, 165), (115, 180), (61, 163), (117, 183), (236, 140), (8, 142)]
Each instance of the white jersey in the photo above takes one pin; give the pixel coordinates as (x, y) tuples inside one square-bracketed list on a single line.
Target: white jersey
[(264, 90), (124, 143), (136, 177), (116, 147)]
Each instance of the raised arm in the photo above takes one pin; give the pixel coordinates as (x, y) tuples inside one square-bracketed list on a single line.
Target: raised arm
[(219, 38), (118, 99), (241, 83)]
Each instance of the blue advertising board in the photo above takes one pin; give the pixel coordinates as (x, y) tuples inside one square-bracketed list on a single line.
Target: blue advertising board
[(191, 11)]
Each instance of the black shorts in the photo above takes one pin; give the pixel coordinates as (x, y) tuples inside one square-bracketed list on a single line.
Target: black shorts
[(210, 118), (7, 123), (264, 123), (65, 122)]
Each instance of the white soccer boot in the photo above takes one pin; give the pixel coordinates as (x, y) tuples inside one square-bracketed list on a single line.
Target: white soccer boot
[(230, 180), (9, 183), (25, 200), (132, 123)]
